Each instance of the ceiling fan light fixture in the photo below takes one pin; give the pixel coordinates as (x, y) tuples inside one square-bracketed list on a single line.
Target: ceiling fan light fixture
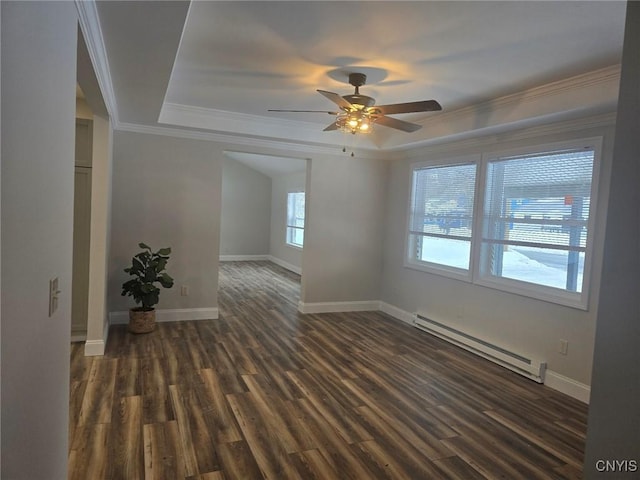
[(359, 112), (355, 122)]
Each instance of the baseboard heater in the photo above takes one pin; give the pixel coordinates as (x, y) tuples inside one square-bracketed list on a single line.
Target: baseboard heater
[(528, 367)]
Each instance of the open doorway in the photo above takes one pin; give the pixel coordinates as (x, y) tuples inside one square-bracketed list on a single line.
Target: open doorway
[(91, 206), (263, 217)]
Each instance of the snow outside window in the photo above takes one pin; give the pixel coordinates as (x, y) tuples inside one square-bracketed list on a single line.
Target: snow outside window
[(295, 219), (536, 219), (531, 230)]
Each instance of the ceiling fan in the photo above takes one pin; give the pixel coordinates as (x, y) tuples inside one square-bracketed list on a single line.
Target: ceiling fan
[(359, 112)]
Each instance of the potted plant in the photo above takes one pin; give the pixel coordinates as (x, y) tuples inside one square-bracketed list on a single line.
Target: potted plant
[(147, 269)]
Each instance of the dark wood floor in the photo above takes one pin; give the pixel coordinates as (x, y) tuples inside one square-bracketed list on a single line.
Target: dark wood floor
[(266, 392)]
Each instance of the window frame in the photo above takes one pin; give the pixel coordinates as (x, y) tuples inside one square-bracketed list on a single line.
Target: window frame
[(432, 267), (289, 227), (475, 275)]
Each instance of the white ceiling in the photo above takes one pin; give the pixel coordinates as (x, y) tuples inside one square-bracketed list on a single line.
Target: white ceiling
[(271, 165), (219, 66)]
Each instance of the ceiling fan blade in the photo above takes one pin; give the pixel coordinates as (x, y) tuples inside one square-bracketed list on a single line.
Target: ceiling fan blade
[(398, 124), (333, 126), (305, 111), (410, 107), (337, 99)]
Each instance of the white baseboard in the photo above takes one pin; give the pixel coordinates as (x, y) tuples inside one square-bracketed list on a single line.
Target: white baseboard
[(172, 315), (243, 258), (568, 386), (94, 348), (287, 265), (334, 307), (254, 258), (396, 312)]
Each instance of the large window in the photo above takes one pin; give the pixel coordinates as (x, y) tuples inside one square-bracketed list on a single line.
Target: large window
[(533, 221), (295, 219)]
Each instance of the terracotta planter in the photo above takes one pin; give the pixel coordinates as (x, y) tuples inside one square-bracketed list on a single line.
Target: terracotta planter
[(142, 321)]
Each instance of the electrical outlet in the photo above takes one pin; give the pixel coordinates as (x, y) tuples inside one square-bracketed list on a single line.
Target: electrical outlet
[(53, 295), (563, 347), (184, 290)]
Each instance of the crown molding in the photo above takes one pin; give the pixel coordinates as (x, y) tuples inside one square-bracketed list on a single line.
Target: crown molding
[(89, 21), (586, 94), (482, 141), (225, 122), (238, 141)]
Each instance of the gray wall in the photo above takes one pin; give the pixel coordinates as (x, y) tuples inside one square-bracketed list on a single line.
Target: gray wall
[(166, 192), (246, 210), (281, 185), (343, 237), (38, 124), (516, 322), (614, 414)]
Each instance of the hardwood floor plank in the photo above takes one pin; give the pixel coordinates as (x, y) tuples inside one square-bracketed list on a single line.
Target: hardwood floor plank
[(187, 450), (80, 365), (263, 441), (274, 410), (162, 459), (339, 417), (455, 468), (557, 443), (238, 463), (202, 431), (218, 415), (89, 457), (333, 448), (155, 391), (97, 401), (126, 445), (128, 379), (313, 465), (76, 396)]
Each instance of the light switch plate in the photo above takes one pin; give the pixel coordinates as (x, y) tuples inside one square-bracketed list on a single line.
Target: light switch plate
[(53, 295)]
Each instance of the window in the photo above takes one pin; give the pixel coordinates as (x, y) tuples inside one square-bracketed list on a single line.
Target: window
[(295, 219), (536, 218), (533, 221), (442, 217)]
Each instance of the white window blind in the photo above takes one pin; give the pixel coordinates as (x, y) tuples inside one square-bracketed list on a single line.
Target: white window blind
[(441, 216), (536, 217)]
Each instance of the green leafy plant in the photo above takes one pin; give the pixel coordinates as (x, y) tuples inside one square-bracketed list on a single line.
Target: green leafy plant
[(147, 269)]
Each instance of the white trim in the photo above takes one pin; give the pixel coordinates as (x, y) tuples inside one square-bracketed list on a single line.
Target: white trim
[(243, 258), (283, 264), (335, 307), (78, 338), (593, 92), (89, 22), (94, 348), (236, 140), (568, 386), (171, 315), (397, 313)]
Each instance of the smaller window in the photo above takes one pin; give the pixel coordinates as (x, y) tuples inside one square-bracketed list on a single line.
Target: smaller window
[(441, 218), (295, 219)]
